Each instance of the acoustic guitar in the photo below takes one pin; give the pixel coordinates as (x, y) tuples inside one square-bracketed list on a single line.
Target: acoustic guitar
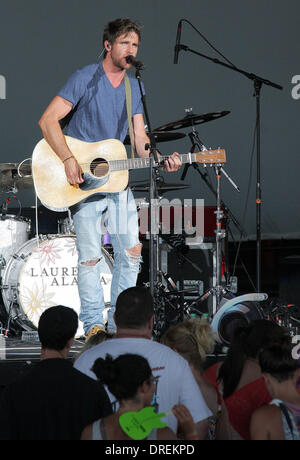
[(105, 169)]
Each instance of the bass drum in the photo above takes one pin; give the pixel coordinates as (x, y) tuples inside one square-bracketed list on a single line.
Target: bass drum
[(43, 274)]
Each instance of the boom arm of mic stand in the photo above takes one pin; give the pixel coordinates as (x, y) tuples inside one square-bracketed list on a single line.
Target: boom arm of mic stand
[(251, 76)]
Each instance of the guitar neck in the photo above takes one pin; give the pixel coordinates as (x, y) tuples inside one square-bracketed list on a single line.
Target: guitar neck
[(140, 163), (209, 157)]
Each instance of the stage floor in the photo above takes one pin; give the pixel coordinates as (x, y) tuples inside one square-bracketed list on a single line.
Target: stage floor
[(14, 349), (18, 357)]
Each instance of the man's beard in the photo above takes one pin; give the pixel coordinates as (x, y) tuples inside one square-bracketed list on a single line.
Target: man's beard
[(117, 63)]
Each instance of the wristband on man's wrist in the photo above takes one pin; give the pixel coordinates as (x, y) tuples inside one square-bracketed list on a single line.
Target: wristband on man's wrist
[(69, 158)]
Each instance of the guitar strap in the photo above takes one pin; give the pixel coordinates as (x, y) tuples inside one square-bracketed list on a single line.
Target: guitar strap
[(129, 112)]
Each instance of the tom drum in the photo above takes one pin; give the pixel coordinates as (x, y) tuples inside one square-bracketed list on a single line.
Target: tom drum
[(14, 233)]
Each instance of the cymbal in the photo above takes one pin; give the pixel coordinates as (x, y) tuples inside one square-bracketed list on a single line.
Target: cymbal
[(9, 177), (161, 137), (191, 120), (162, 187)]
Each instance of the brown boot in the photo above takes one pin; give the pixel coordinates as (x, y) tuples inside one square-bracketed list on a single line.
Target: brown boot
[(93, 331)]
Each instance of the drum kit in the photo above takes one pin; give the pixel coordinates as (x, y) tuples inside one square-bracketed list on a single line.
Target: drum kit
[(40, 271)]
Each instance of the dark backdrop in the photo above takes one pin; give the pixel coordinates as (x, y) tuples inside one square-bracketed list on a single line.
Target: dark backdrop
[(42, 43)]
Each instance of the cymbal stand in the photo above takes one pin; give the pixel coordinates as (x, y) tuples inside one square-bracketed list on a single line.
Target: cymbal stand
[(218, 290), (220, 235), (196, 142)]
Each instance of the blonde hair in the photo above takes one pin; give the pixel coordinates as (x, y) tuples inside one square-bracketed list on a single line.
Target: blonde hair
[(193, 339), (94, 340)]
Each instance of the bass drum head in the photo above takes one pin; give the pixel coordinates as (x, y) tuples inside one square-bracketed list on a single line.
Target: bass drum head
[(42, 275)]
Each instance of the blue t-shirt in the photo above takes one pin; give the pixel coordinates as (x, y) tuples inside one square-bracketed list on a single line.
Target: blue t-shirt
[(101, 113)]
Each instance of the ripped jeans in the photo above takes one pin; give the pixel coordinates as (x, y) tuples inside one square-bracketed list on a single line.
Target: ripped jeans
[(121, 220)]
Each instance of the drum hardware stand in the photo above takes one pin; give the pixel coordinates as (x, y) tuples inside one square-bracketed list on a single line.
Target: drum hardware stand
[(181, 252), (4, 209), (155, 282), (196, 142), (3, 331), (218, 290), (167, 312), (155, 275), (2, 263), (14, 317), (258, 83), (7, 329), (13, 301)]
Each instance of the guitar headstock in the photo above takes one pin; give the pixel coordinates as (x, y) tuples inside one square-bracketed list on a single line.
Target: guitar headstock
[(211, 157)]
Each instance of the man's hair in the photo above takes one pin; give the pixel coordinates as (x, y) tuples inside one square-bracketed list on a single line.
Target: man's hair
[(122, 26), (134, 308), (57, 326)]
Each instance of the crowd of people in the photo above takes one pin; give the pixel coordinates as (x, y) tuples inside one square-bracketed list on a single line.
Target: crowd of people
[(251, 395)]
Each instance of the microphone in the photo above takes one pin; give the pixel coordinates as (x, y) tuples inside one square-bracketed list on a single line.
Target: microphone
[(137, 64), (178, 38)]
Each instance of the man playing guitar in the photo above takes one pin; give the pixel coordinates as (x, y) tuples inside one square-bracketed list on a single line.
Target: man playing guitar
[(95, 96)]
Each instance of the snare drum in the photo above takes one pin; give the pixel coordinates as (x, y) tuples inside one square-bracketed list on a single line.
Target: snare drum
[(14, 233), (43, 275)]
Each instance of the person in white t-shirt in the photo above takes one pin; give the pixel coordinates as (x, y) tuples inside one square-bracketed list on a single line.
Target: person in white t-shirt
[(177, 385)]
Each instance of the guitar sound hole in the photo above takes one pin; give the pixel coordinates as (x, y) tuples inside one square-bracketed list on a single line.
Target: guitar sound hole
[(99, 167)]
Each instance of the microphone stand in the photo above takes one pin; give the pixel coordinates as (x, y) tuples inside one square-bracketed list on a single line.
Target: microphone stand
[(153, 198), (258, 82)]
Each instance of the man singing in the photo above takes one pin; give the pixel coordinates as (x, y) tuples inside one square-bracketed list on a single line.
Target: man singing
[(95, 97)]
